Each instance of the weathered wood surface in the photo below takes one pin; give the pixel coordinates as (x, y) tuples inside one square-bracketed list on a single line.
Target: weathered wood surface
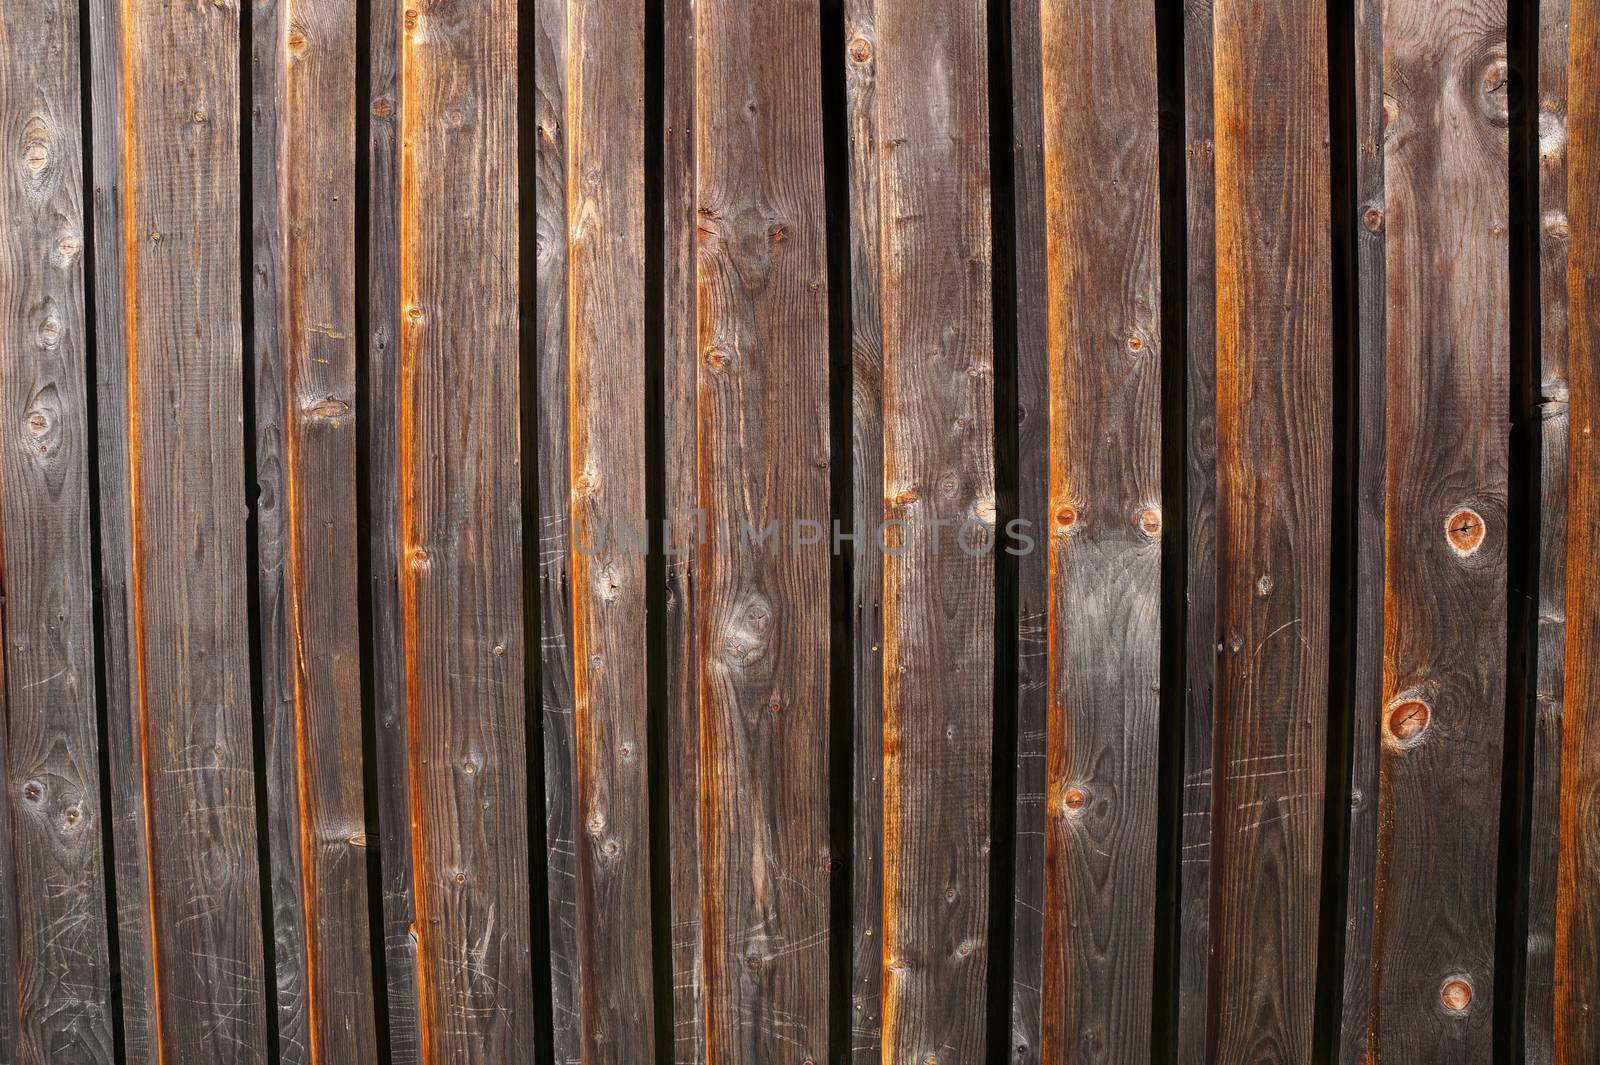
[(305, 346), (173, 505), (934, 252), (1443, 213), (54, 963), (447, 546), (1097, 807), (1274, 382), (592, 410), (762, 457), (1576, 1011)]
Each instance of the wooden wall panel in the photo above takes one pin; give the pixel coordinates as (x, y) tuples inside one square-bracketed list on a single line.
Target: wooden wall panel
[(54, 978), (1274, 389), (1577, 929), (447, 543), (1097, 806), (304, 248), (1440, 731), (173, 506), (938, 603), (763, 456), (592, 498)]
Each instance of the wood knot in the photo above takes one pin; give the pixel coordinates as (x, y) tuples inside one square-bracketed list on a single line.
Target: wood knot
[(1066, 517), (1135, 343), (1372, 218), (860, 50), (1456, 994), (1405, 722), (906, 498), (297, 42), (1073, 800), (717, 360), (1464, 529), (1150, 522), (331, 407), (36, 145)]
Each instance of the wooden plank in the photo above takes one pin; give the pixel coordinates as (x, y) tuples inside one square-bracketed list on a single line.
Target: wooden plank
[(173, 505), (53, 954), (1538, 1021), (1028, 1007), (938, 602), (594, 613), (1577, 939), (1101, 228), (446, 485), (1274, 463), (1441, 718), (305, 364), (1371, 383), (866, 560), (763, 461), (1200, 655)]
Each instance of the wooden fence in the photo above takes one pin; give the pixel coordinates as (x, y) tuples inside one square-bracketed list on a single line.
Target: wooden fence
[(471, 514)]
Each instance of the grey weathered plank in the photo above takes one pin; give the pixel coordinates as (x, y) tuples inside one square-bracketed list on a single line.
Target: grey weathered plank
[(167, 170), (1200, 537), (762, 457), (934, 260), (1440, 734), (446, 483), (1274, 468), (303, 79), (53, 948), (1577, 927)]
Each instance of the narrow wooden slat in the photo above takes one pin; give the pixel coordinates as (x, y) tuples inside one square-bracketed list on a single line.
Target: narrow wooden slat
[(866, 573), (1371, 382), (1545, 736), (1577, 943), (444, 377), (1440, 731), (1200, 536), (53, 949), (1028, 1007), (173, 507), (594, 588), (305, 362), (938, 602), (763, 459), (1274, 461)]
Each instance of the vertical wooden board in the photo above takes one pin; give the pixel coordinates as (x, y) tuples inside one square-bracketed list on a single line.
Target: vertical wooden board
[(605, 447), (1447, 422), (866, 561), (1371, 382), (1545, 733), (445, 450), (166, 97), (680, 236), (1101, 227), (763, 461), (1200, 652), (303, 63), (53, 964), (1577, 933), (1028, 1006), (938, 602), (1274, 388)]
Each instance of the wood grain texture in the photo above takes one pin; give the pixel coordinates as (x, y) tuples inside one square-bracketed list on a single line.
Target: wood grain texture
[(1577, 930), (1028, 944), (170, 347), (1550, 86), (1101, 225), (1200, 652), (938, 601), (1447, 423), (1371, 402), (445, 478), (303, 63), (53, 948), (762, 453), (1274, 382), (604, 131), (866, 561)]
